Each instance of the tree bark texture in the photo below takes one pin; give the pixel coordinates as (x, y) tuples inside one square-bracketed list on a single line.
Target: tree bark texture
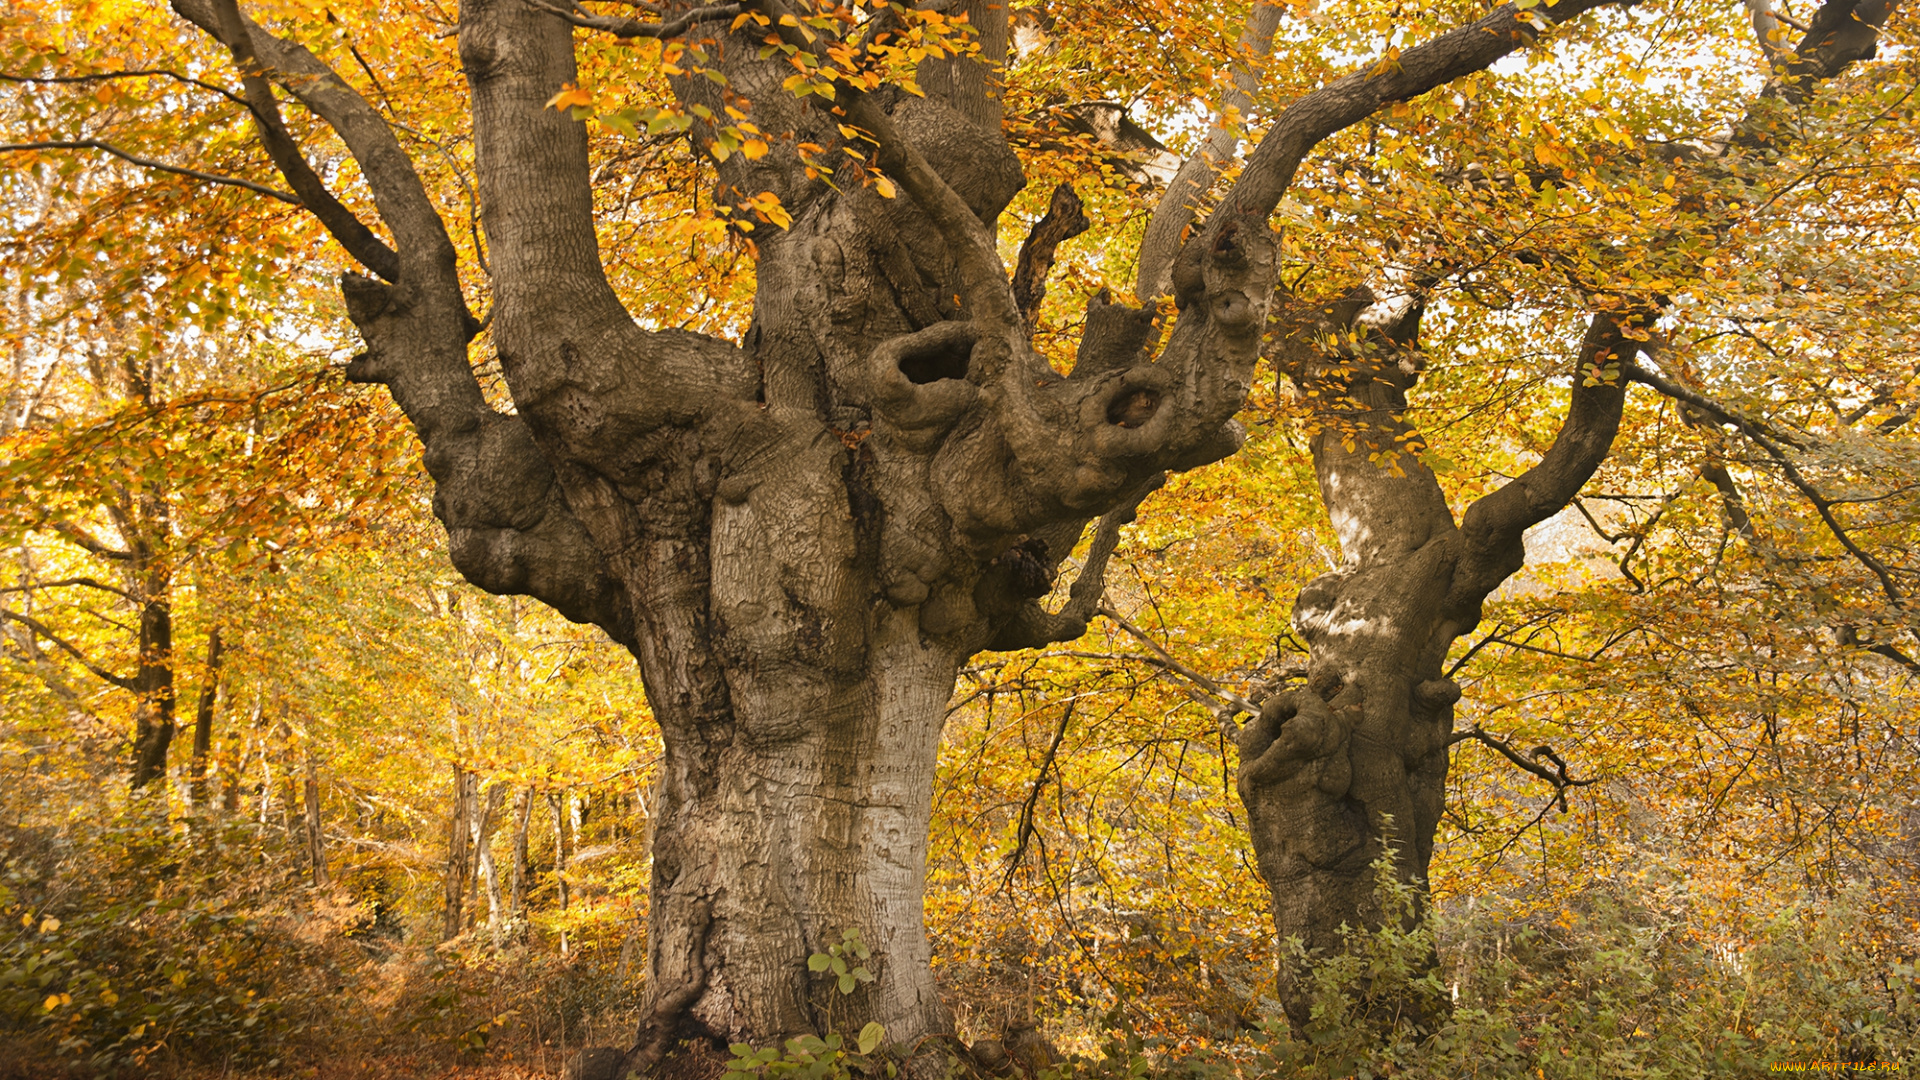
[(800, 536), (459, 854)]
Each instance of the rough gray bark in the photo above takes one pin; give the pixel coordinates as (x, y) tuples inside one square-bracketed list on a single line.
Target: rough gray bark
[(803, 535)]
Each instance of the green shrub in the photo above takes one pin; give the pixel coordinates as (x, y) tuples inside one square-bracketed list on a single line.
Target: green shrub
[(127, 941), (1614, 990)]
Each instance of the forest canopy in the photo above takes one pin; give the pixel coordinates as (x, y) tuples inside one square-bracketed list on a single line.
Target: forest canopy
[(1067, 537)]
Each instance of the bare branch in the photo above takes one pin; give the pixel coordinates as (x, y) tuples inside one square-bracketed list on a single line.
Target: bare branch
[(1062, 222), (1557, 776), (1025, 832), (1234, 701), (67, 582), (1760, 435), (157, 166), (134, 73), (86, 541)]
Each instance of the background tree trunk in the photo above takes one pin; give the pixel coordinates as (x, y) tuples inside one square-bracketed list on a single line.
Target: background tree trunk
[(522, 819), (316, 833), (459, 854), (203, 721), (1353, 765), (488, 876)]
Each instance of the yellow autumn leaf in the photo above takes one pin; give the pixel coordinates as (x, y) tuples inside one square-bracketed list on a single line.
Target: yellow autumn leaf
[(755, 149), (884, 186), (568, 97)]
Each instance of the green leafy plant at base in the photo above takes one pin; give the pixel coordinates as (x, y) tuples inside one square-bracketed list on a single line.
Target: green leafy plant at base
[(1617, 989), (810, 1057), (842, 961)]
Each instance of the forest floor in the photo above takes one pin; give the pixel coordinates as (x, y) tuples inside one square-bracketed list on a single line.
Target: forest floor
[(347, 1066)]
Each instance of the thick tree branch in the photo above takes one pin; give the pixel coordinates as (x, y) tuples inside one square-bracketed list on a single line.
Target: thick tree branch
[(231, 29), (420, 237), (1493, 525), (983, 278), (1271, 166), (157, 166), (1180, 202), (1062, 222)]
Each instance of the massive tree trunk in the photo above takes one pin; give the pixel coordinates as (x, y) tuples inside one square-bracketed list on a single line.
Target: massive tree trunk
[(803, 535)]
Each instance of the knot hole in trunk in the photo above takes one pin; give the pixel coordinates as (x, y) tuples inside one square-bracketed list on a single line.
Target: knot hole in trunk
[(1134, 409), (936, 361)]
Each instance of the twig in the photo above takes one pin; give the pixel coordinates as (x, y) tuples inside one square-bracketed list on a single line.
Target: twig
[(1557, 776), (158, 166), (1236, 703), (1033, 795), (42, 629)]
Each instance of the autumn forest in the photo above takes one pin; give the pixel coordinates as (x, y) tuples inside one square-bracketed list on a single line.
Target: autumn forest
[(1051, 540)]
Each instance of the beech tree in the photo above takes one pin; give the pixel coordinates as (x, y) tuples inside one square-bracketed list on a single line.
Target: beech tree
[(1354, 762), (803, 534)]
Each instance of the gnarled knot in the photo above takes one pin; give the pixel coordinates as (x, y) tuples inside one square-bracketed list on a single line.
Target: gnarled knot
[(1296, 737), (919, 380), (1435, 694)]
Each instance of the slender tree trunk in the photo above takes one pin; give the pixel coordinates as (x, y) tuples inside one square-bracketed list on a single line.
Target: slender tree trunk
[(562, 847), (203, 721), (153, 717), (459, 853), (522, 820), (488, 876), (316, 835)]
